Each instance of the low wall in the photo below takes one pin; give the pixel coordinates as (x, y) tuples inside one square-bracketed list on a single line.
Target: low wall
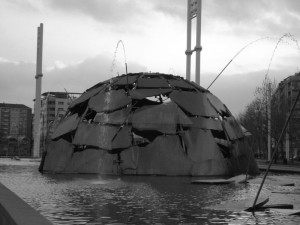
[(14, 211)]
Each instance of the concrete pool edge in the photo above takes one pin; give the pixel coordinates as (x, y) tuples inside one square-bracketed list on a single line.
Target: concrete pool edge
[(15, 211)]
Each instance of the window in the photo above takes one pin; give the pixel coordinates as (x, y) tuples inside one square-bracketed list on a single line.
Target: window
[(60, 103)]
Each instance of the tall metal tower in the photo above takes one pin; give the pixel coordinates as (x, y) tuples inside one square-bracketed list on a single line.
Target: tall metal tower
[(193, 10), (38, 92)]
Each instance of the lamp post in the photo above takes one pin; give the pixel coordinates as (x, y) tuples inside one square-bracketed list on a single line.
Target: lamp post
[(269, 120), (194, 8), (38, 90)]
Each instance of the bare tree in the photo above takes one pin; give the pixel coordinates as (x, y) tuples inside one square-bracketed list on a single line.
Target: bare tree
[(255, 117)]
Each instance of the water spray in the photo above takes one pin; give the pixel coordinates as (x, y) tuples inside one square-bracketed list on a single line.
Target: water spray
[(115, 56), (287, 35), (242, 49)]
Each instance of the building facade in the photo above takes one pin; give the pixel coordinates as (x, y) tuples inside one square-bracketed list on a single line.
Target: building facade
[(283, 101), (15, 129), (54, 106)]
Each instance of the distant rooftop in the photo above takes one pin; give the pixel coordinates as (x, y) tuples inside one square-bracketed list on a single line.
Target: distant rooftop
[(9, 105), (294, 77), (58, 94)]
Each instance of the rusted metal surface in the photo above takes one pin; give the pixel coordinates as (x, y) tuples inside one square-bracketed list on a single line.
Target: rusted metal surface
[(86, 96), (103, 137), (159, 116), (206, 123), (232, 128), (122, 139), (181, 84), (126, 80), (117, 117), (193, 102), (143, 93), (196, 139), (163, 118), (94, 135), (109, 101), (196, 86), (152, 83), (216, 103), (66, 125)]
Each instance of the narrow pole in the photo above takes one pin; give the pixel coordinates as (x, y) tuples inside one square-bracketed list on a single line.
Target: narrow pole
[(276, 149), (269, 122), (188, 51), (198, 47), (126, 76), (287, 144), (38, 90)]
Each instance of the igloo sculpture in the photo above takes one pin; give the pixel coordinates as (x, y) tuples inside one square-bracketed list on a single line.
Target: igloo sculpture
[(148, 124)]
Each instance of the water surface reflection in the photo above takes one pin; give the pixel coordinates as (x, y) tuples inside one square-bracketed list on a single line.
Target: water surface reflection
[(93, 199)]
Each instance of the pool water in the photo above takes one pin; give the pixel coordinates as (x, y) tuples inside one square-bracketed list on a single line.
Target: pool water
[(93, 199)]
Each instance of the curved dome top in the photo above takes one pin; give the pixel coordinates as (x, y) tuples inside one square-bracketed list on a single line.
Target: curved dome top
[(146, 123), (134, 109)]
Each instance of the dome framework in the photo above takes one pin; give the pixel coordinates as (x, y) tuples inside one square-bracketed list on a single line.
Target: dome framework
[(146, 124)]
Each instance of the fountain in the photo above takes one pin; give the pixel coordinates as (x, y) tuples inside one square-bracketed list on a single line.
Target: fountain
[(149, 124), (113, 65), (278, 41)]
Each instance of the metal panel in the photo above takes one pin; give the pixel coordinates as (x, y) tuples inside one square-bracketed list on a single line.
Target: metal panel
[(163, 127), (201, 145), (152, 83), (123, 138), (245, 131), (109, 101), (143, 93), (232, 128), (216, 103), (65, 126), (94, 135), (116, 117), (85, 96), (206, 123), (199, 88), (124, 80), (104, 137), (193, 102), (163, 118), (180, 84)]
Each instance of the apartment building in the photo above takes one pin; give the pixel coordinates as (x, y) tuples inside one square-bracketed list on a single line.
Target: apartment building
[(283, 101), (15, 129), (54, 105)]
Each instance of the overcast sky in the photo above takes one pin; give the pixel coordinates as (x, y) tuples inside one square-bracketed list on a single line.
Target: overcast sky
[(80, 39)]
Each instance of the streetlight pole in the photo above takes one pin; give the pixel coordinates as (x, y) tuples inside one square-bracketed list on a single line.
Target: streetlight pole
[(198, 47), (38, 90), (269, 121), (188, 51), (194, 8)]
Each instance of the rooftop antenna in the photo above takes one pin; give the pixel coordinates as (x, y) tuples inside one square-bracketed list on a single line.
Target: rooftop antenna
[(68, 95), (38, 92)]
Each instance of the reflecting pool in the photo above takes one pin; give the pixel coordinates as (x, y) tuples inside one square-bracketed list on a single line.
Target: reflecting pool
[(93, 199)]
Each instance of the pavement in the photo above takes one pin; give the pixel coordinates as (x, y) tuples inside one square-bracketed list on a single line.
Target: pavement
[(290, 167)]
